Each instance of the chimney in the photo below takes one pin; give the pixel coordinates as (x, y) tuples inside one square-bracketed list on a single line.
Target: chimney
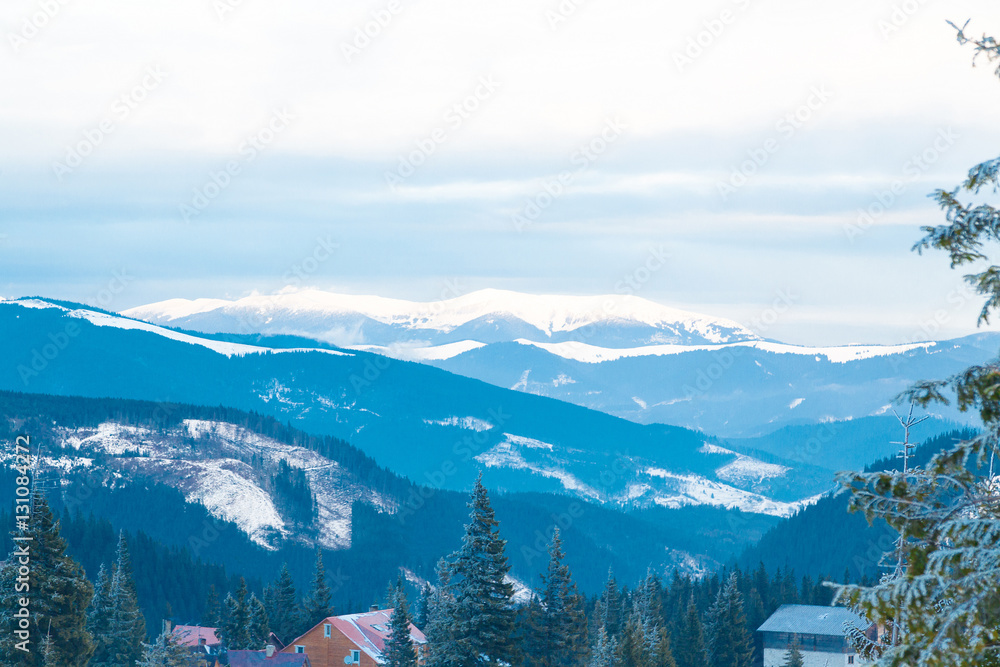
[(374, 607), (166, 626), (269, 650)]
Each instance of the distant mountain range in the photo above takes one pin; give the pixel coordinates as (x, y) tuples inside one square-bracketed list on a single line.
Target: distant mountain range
[(486, 316), (618, 354), (434, 427)]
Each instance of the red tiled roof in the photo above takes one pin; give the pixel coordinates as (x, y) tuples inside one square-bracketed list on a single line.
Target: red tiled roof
[(191, 635)]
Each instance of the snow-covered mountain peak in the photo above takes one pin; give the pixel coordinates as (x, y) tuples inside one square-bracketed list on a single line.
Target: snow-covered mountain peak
[(489, 315)]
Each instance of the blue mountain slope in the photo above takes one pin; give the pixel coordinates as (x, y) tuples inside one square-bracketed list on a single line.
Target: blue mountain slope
[(422, 422)]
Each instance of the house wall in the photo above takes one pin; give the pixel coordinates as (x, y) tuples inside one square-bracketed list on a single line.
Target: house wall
[(328, 651), (774, 657)]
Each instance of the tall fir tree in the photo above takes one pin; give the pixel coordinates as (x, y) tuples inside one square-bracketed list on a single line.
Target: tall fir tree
[(258, 628), (793, 656), (59, 596), (690, 648), (605, 653), (282, 607), (212, 618), (440, 612), (420, 610), (727, 638), (557, 625), (126, 627), (165, 652), (399, 649), (319, 603), (608, 609), (235, 629), (99, 618), (481, 613)]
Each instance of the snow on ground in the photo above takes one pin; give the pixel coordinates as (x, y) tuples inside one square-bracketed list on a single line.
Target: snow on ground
[(111, 437), (531, 443), (796, 403), (694, 490), (105, 320), (522, 594), (506, 455), (548, 313), (593, 354), (745, 469), (422, 353), (468, 423), (227, 490)]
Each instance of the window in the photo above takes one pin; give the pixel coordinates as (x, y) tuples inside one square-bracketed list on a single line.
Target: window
[(326, 629), (850, 660), (356, 657), (300, 649)]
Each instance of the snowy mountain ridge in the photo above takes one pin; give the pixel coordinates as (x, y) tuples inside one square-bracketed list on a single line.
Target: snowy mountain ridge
[(351, 319)]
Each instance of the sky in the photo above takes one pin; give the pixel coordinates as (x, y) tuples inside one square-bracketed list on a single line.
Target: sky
[(765, 161)]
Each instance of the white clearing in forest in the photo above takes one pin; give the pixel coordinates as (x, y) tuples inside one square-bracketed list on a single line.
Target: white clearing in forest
[(694, 490), (468, 423)]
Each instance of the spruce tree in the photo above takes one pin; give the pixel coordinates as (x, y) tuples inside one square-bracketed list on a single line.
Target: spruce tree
[(558, 625), (440, 611), (212, 618), (164, 652), (609, 607), (793, 656), (258, 627), (319, 603), (282, 607), (605, 653), (420, 611), (59, 597), (728, 641), (481, 614), (399, 649), (126, 626), (690, 645), (235, 628), (99, 618)]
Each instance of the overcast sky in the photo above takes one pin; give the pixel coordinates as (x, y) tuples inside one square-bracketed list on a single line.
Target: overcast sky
[(713, 156)]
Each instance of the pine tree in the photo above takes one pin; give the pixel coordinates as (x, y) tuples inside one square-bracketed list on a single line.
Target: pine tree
[(558, 625), (126, 626), (60, 595), (941, 605), (440, 612), (690, 647), (235, 629), (481, 615), (605, 653), (609, 607), (318, 604), (212, 617), (793, 656), (420, 611), (282, 607), (99, 618), (728, 641), (164, 652), (257, 624), (399, 649)]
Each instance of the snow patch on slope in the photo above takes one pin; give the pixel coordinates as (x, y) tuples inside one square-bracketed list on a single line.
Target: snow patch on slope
[(695, 490)]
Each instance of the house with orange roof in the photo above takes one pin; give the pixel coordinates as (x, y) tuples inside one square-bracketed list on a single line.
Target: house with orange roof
[(356, 640)]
